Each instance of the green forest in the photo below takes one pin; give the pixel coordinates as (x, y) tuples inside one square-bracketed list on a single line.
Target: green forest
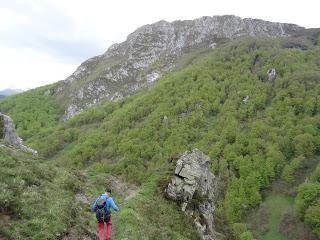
[(255, 130)]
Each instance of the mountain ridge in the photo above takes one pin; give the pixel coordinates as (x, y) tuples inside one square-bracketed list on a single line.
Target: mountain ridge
[(150, 52), (10, 91)]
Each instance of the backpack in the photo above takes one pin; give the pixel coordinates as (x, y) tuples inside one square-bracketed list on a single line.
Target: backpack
[(103, 214)]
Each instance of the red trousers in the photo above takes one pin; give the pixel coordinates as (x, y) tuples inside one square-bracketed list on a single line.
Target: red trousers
[(101, 230)]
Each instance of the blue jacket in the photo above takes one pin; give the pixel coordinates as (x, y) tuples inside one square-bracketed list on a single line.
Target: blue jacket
[(110, 203)]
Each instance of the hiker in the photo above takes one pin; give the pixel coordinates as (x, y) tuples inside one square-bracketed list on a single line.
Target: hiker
[(102, 207)]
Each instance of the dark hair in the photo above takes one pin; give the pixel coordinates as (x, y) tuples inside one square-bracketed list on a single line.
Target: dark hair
[(108, 190)]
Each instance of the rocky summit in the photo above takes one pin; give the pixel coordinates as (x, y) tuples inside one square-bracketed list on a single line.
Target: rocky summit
[(150, 52)]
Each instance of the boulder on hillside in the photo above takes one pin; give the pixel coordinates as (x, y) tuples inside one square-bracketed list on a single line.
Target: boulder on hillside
[(272, 74), (195, 187), (10, 136)]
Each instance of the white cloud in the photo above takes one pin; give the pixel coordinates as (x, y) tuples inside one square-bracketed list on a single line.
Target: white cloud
[(42, 41), (26, 68)]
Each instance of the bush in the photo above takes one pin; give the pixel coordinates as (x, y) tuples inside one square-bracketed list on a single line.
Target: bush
[(315, 176), (290, 169), (304, 145), (312, 217), (246, 236), (308, 195)]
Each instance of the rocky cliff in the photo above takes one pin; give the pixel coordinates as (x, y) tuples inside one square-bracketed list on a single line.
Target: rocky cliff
[(195, 187), (8, 133), (150, 52)]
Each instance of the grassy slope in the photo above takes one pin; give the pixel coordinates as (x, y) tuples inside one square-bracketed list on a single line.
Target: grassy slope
[(35, 196), (275, 218), (266, 221), (279, 205), (249, 143), (32, 111)]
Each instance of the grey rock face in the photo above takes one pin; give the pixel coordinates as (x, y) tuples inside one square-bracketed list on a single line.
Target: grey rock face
[(150, 52), (245, 100), (272, 74), (79, 197), (194, 185), (11, 137)]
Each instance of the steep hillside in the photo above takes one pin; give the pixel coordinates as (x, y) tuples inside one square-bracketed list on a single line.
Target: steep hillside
[(149, 53), (35, 197), (254, 127), (33, 110)]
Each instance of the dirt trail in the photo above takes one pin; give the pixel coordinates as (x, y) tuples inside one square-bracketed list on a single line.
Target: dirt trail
[(123, 192), (4, 218)]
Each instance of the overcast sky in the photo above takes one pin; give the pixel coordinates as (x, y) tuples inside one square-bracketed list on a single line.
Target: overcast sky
[(43, 41)]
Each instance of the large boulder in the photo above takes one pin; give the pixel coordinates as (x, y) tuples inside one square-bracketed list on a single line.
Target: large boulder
[(9, 131), (195, 187), (10, 136)]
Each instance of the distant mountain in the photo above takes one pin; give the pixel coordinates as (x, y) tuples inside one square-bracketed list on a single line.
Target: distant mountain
[(152, 51), (9, 91)]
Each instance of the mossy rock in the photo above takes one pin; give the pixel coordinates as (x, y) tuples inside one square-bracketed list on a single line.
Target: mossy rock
[(1, 127)]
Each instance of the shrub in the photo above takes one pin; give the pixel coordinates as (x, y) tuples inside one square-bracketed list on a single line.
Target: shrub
[(290, 169)]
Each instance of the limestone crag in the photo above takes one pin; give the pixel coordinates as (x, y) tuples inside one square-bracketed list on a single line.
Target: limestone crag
[(195, 187), (272, 74), (10, 136), (150, 52)]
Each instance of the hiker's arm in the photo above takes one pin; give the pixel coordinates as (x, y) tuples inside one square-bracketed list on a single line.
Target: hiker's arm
[(94, 206), (113, 205)]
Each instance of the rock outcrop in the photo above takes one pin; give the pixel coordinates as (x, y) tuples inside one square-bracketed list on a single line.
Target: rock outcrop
[(272, 74), (245, 100), (195, 187), (81, 198), (150, 52), (10, 136)]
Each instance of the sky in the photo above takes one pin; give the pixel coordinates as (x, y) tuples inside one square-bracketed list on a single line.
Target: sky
[(44, 41)]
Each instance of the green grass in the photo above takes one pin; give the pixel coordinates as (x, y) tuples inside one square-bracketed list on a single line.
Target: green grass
[(277, 205), (147, 216), (36, 196)]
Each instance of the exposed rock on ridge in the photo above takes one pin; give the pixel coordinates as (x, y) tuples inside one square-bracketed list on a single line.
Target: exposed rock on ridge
[(195, 187), (150, 52), (11, 137)]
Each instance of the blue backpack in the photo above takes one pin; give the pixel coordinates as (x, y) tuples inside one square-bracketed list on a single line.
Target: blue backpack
[(103, 214)]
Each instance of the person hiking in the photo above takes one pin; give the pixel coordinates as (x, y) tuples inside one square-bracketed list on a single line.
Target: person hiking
[(102, 207)]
